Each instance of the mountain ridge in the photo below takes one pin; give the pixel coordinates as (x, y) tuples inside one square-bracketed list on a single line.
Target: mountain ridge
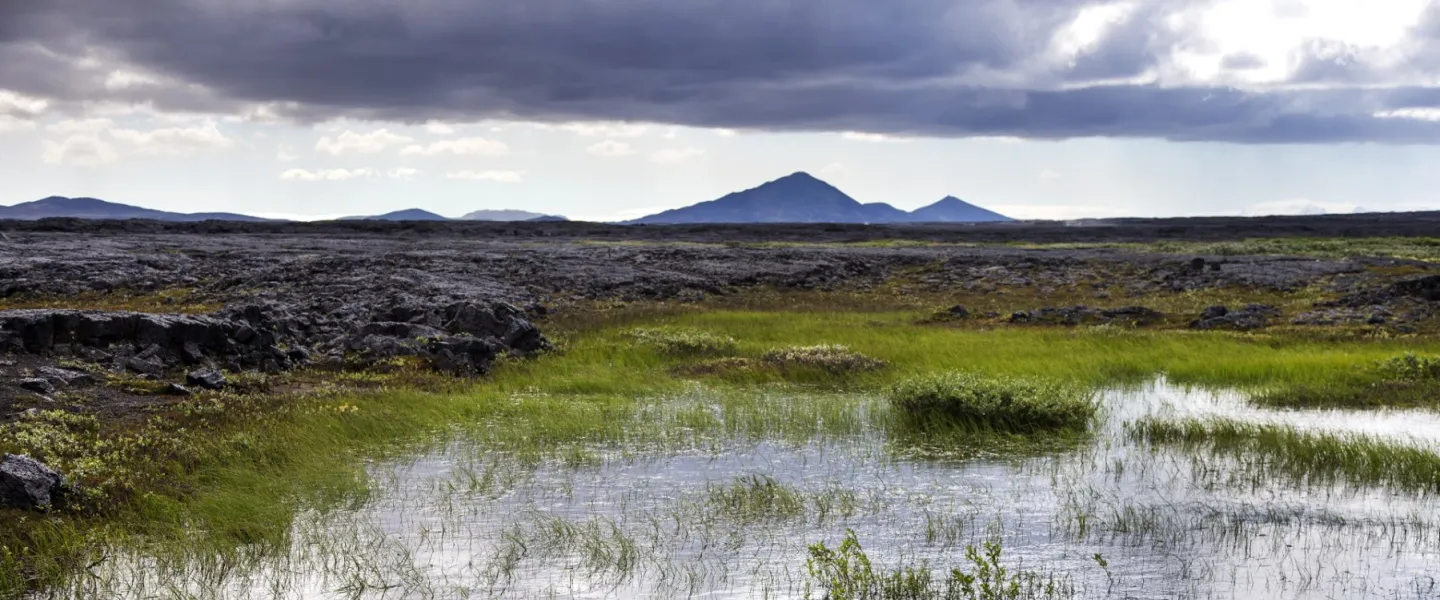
[(95, 208), (803, 198)]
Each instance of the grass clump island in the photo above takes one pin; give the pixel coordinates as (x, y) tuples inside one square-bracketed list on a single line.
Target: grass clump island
[(831, 358), (685, 341), (1305, 458), (1009, 404)]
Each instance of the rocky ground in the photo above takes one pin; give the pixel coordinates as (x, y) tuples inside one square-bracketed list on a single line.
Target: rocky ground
[(183, 310)]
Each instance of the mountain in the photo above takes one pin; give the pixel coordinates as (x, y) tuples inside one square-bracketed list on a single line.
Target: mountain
[(409, 214), (801, 198), (795, 198), (509, 215), (954, 210), (92, 208)]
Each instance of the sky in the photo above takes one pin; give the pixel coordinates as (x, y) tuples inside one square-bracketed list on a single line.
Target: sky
[(614, 109)]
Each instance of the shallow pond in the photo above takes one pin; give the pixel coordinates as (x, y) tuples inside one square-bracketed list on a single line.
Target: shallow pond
[(732, 515)]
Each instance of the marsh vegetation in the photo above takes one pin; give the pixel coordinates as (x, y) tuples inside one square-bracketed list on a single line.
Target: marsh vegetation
[(749, 453)]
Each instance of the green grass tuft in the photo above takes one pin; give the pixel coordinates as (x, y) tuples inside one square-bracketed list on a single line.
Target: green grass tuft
[(1302, 457), (831, 358), (1008, 404), (685, 342)]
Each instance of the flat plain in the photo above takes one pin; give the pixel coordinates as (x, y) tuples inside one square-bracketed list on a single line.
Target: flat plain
[(1201, 408)]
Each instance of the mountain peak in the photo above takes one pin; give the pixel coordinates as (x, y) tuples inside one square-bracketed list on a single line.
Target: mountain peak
[(952, 209), (803, 198)]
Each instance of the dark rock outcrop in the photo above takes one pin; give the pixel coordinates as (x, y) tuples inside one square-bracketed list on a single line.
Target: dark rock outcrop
[(28, 484), (37, 385), (252, 336), (208, 379), (1083, 315), (66, 377), (1246, 318)]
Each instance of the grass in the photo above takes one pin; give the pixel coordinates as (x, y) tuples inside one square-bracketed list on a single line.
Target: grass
[(1302, 457), (218, 470), (685, 342), (835, 359), (1408, 380), (169, 300), (995, 403), (847, 573), (752, 498)]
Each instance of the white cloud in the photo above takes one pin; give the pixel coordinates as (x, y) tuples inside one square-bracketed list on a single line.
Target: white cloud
[(9, 123), (363, 143), (725, 132), (832, 169), (462, 147), (79, 150), (286, 154), (439, 128), (670, 156), (19, 105), (175, 140), (610, 148), (1418, 114), (120, 79), (1299, 206), (1047, 174), (607, 129), (403, 173), (266, 113), (498, 176), (78, 126), (326, 174), (869, 137)]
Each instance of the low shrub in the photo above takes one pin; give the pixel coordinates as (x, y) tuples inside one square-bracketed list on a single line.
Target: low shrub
[(999, 403), (685, 342), (832, 358), (720, 366), (1410, 367)]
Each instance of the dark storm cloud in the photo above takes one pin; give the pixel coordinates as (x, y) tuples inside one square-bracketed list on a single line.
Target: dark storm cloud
[(915, 67)]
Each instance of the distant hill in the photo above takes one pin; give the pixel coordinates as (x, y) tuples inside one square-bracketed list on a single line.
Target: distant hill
[(510, 215), (409, 214), (954, 210), (93, 208), (802, 198)]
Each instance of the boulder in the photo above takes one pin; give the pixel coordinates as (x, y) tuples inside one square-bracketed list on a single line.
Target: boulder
[(37, 385), (59, 376), (1246, 318), (208, 379), (28, 484), (144, 367)]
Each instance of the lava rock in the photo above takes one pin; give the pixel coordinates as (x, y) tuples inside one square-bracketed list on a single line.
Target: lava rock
[(1214, 312), (144, 367), (28, 484), (1246, 318), (37, 385), (208, 379), (59, 376), (175, 389)]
